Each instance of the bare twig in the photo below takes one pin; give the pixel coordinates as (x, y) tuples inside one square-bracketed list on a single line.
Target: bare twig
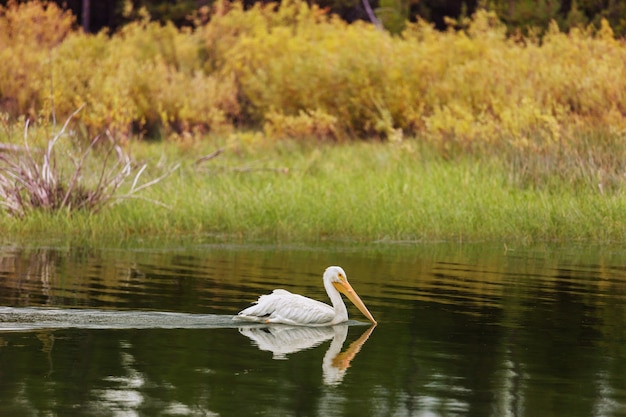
[(210, 156), (134, 189), (78, 167), (8, 147)]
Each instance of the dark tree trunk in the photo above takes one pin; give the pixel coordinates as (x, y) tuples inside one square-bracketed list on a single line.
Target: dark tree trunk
[(86, 15)]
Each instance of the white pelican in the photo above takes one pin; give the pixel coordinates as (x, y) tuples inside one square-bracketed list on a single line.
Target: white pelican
[(284, 307)]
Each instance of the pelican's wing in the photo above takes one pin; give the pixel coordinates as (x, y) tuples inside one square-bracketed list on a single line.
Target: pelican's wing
[(284, 307)]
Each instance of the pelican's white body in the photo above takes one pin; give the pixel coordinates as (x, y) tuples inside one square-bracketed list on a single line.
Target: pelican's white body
[(287, 308)]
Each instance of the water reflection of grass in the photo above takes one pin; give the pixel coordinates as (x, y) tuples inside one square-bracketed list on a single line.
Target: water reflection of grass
[(361, 191)]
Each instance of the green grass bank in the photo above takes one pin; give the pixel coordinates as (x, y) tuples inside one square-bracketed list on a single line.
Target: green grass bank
[(331, 131), (288, 191)]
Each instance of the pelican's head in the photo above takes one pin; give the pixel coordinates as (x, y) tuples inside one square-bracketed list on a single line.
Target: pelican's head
[(338, 278)]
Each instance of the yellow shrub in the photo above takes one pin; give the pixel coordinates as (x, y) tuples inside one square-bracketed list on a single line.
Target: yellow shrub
[(145, 77), (296, 71), (33, 24), (307, 124), (28, 33)]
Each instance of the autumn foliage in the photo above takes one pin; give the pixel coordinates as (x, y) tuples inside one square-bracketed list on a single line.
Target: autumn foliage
[(296, 71)]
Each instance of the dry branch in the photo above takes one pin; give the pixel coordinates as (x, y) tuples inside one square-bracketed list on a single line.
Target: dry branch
[(208, 157), (8, 147)]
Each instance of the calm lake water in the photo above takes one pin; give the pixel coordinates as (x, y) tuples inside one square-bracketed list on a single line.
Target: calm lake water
[(463, 330)]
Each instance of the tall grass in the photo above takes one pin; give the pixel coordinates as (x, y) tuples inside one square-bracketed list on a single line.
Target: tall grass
[(357, 192)]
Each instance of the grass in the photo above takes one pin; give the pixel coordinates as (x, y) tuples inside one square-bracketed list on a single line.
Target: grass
[(364, 191)]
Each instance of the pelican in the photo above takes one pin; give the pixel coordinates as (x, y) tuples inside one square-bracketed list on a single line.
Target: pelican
[(284, 307)]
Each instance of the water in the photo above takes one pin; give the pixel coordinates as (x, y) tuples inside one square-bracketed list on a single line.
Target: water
[(464, 330)]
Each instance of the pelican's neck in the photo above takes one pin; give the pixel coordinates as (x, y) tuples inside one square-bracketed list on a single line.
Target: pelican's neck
[(341, 312)]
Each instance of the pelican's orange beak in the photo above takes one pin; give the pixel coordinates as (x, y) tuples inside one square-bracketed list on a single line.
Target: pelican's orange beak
[(346, 289)]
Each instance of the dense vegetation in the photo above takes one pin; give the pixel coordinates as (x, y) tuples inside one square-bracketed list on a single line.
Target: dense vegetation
[(297, 71), (505, 120), (519, 15)]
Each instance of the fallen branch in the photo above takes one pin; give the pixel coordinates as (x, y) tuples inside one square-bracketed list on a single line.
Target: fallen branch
[(210, 156)]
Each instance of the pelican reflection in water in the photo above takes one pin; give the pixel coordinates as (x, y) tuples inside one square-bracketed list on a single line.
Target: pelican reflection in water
[(284, 307), (282, 340)]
